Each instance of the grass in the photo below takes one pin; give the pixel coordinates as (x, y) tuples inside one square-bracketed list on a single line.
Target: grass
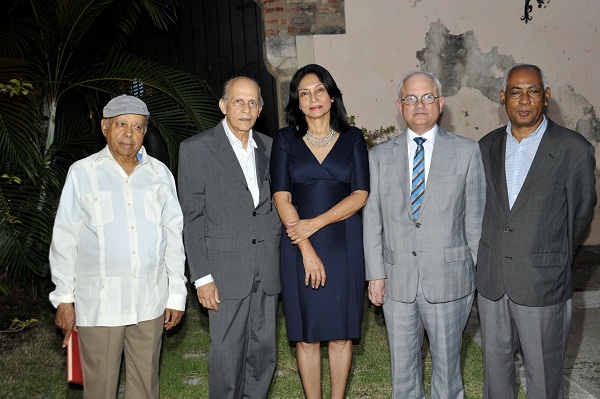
[(32, 365)]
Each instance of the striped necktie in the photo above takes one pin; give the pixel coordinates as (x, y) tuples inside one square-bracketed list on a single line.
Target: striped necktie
[(417, 187)]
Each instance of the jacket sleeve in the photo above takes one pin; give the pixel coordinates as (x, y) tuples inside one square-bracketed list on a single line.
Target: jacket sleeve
[(192, 197), (581, 195), (475, 201), (373, 226)]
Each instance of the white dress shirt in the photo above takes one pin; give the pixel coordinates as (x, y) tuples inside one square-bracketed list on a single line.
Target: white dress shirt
[(117, 248), (429, 137), (247, 161)]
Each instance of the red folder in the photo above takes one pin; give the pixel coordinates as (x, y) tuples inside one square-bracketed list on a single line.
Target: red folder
[(74, 373)]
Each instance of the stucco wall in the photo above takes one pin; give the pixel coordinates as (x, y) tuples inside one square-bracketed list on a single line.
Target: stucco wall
[(469, 45)]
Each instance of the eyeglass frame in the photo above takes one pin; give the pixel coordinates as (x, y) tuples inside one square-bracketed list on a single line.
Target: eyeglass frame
[(419, 99)]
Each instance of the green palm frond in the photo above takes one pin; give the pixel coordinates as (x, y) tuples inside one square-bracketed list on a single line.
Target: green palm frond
[(23, 25), (76, 16), (26, 216), (162, 12), (180, 103), (72, 53), (14, 68), (20, 129), (76, 140)]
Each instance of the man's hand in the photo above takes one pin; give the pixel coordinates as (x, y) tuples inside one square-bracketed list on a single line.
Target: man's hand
[(172, 317), (376, 291), (208, 296), (65, 320)]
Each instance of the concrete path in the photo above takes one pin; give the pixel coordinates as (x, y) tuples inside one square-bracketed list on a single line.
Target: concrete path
[(582, 363)]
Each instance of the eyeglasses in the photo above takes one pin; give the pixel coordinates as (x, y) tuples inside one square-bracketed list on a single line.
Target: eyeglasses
[(426, 99)]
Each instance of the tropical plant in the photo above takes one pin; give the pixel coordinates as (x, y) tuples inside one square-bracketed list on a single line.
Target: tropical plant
[(374, 137), (60, 62)]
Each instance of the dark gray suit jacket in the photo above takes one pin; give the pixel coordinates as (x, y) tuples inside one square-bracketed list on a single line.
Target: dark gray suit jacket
[(527, 251), (224, 234)]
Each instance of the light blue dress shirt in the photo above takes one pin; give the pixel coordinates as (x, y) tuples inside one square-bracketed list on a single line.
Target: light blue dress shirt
[(519, 157)]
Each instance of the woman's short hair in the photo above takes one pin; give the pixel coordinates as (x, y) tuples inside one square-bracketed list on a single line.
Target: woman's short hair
[(294, 115)]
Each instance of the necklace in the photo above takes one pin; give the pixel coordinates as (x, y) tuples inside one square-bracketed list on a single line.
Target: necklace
[(320, 141)]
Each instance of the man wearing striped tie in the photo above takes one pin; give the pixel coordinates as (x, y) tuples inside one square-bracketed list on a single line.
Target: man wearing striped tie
[(422, 225)]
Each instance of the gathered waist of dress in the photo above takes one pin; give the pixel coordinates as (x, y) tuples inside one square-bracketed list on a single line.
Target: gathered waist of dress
[(316, 197)]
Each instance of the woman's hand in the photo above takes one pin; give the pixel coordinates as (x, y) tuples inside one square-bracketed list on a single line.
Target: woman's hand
[(313, 268), (300, 230)]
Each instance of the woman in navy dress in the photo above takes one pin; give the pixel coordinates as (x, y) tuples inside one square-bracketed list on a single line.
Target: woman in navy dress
[(320, 180)]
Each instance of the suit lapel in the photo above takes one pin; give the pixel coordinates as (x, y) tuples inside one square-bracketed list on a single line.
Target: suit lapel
[(225, 154), (400, 151), (543, 162), (498, 170), (438, 160), (262, 159)]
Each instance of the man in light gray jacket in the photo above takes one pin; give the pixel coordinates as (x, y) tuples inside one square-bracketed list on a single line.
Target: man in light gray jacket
[(422, 225)]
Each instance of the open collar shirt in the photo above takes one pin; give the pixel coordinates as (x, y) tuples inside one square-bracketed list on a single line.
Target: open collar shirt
[(117, 249), (247, 161), (519, 158), (246, 158)]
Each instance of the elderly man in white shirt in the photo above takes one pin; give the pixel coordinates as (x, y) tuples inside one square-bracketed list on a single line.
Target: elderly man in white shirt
[(117, 256)]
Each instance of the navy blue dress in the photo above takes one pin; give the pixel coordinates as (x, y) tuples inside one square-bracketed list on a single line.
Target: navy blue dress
[(334, 311)]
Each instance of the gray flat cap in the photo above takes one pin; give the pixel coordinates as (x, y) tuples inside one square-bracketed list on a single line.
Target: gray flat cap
[(125, 105)]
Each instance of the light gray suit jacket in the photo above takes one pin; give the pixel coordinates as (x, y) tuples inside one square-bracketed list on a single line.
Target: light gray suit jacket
[(440, 247), (224, 233), (526, 251)]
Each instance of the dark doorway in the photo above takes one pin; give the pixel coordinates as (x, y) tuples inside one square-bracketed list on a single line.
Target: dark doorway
[(215, 40)]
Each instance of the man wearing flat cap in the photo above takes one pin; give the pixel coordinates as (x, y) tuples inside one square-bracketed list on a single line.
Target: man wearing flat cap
[(117, 257)]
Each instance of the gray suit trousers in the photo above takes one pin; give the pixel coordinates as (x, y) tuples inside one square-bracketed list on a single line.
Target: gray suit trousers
[(542, 332), (242, 355), (444, 323)]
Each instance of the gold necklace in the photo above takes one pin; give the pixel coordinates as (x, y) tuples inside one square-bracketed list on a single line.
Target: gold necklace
[(320, 141)]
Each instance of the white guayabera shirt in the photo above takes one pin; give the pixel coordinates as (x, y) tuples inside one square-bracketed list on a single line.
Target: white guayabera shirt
[(117, 248)]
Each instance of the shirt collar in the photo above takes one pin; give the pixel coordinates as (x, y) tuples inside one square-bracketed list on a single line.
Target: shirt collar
[(429, 135), (539, 131), (234, 140), (142, 156)]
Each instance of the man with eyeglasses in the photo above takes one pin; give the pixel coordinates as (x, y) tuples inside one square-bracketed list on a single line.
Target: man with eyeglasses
[(422, 225), (231, 233), (540, 201)]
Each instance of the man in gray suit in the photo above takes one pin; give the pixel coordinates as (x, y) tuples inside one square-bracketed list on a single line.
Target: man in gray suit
[(540, 201), (422, 225), (231, 235)]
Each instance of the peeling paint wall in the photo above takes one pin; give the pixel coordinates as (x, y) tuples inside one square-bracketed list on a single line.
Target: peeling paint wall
[(469, 45)]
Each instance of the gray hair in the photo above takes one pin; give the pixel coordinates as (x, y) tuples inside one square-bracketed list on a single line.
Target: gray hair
[(228, 83), (525, 66), (411, 74)]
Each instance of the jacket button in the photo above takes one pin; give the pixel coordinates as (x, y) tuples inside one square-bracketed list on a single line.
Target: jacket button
[(414, 253), (254, 241), (506, 229), (418, 225), (253, 213)]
